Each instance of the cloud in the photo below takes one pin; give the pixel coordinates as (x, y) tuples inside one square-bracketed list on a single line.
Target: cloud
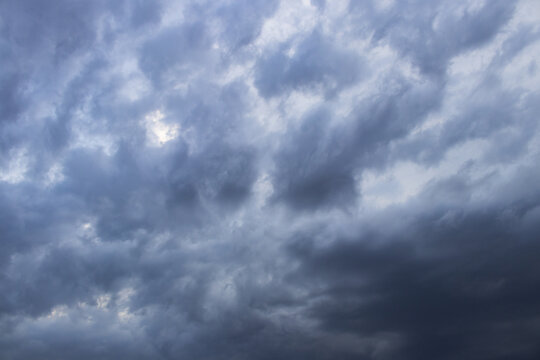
[(316, 63), (265, 179), (451, 283), (432, 33)]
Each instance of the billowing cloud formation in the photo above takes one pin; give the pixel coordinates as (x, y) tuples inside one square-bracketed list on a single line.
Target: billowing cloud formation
[(269, 180)]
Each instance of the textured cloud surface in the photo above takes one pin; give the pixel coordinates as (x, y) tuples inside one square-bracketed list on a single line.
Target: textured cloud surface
[(269, 179)]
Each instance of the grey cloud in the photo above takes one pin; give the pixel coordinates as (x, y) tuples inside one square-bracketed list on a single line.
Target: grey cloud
[(519, 41), (173, 48), (227, 174), (223, 175), (11, 99), (70, 28), (64, 342), (163, 194), (319, 3), (314, 168), (242, 20), (431, 33), (145, 12), (317, 64), (317, 165), (441, 284), (493, 112)]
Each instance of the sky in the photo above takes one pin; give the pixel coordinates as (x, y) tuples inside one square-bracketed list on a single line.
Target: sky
[(266, 179)]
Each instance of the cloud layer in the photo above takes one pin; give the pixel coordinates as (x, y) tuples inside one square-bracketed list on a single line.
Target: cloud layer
[(269, 180)]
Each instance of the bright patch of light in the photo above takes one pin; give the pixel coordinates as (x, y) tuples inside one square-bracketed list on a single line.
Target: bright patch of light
[(14, 172), (406, 180), (58, 312), (159, 132), (54, 175), (524, 70), (262, 189), (124, 297), (291, 18), (384, 4), (102, 301)]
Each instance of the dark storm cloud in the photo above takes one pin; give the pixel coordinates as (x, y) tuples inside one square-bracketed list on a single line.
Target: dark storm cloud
[(265, 179), (455, 282)]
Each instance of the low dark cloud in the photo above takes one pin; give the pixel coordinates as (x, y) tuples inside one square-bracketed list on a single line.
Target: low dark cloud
[(453, 283), (265, 179)]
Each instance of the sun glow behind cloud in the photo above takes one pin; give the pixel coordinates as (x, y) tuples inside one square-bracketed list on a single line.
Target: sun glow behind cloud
[(158, 131)]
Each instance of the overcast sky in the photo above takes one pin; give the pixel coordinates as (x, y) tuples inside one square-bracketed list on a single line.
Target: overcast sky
[(265, 179)]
